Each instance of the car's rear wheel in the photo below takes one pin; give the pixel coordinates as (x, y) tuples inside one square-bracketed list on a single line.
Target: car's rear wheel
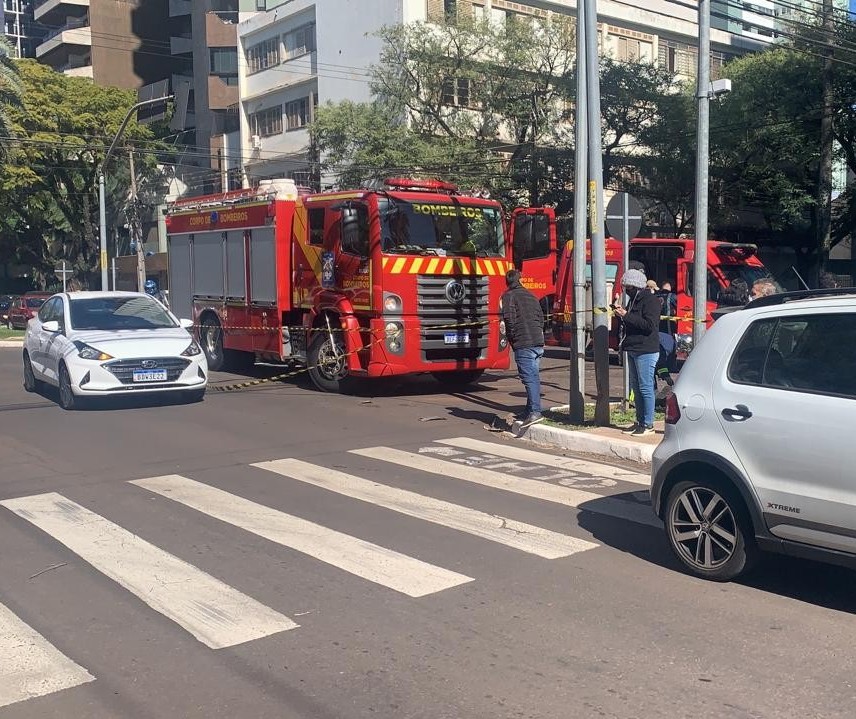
[(31, 384), (67, 399), (709, 530)]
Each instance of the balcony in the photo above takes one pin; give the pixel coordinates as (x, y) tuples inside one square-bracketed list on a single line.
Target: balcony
[(51, 12), (222, 94), (180, 45), (179, 8), (81, 71), (220, 32), (67, 38)]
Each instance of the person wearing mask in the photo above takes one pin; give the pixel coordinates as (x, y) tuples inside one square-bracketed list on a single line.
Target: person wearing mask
[(639, 339), (524, 327)]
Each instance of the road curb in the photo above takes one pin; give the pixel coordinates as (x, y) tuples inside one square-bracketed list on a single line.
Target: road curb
[(12, 343), (587, 442)]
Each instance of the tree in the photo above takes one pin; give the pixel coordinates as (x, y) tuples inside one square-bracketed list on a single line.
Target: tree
[(49, 197), (11, 91)]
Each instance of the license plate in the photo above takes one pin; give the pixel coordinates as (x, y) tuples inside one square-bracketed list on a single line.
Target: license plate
[(149, 375), (456, 338)]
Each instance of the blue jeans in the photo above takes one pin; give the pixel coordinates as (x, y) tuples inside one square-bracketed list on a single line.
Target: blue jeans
[(641, 367), (528, 361)]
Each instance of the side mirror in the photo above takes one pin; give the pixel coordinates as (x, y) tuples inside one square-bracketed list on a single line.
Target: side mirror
[(51, 326), (187, 324)]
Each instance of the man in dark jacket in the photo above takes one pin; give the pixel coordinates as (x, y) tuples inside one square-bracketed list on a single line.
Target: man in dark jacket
[(641, 341), (524, 327)]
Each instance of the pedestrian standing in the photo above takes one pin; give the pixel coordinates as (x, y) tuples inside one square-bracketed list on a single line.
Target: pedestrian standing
[(641, 342), (524, 327)]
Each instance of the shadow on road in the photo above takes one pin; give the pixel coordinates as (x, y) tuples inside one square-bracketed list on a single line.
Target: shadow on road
[(823, 585)]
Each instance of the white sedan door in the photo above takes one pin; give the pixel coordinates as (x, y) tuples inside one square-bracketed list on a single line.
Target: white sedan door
[(53, 344), (786, 403)]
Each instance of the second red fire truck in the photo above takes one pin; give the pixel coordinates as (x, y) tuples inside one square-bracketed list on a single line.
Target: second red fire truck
[(354, 284)]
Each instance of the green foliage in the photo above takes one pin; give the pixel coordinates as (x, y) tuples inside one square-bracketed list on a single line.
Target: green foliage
[(50, 183), (10, 94)]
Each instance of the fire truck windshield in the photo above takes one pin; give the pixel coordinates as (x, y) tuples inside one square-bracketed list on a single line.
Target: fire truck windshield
[(441, 228)]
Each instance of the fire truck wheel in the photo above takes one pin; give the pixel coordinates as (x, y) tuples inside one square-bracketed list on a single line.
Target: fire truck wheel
[(211, 337), (328, 366), (461, 378)]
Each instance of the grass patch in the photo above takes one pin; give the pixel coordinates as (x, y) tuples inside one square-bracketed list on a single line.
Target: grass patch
[(617, 417), (7, 334)]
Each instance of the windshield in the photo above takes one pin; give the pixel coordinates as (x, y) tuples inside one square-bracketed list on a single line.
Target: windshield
[(611, 272), (448, 228), (119, 313), (747, 273), (35, 302)]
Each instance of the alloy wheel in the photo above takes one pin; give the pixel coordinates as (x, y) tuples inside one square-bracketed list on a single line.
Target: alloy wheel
[(332, 364), (703, 528)]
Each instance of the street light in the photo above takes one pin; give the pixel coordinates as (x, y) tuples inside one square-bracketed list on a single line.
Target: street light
[(102, 201)]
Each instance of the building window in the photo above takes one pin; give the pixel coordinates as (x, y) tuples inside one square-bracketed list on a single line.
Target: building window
[(456, 92), (629, 50), (297, 113), (264, 55), (678, 58), (265, 123), (224, 62), (299, 42)]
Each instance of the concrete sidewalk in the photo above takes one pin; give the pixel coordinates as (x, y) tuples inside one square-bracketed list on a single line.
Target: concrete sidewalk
[(609, 442), (12, 344)]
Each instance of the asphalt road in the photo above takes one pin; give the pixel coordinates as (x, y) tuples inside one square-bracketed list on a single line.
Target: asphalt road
[(149, 568)]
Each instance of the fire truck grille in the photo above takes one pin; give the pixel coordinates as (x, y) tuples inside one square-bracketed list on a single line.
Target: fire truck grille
[(442, 309), (124, 369)]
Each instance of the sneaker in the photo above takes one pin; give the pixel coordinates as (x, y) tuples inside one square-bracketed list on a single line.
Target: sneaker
[(631, 429), (533, 418), (642, 431)]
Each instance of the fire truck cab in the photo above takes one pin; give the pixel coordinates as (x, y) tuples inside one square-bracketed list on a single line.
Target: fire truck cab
[(359, 283), (664, 260)]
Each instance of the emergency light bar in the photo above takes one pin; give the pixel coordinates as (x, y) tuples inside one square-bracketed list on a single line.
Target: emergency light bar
[(406, 183)]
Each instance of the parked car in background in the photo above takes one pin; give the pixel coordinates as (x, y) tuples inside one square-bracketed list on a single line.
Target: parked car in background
[(92, 344), (5, 305), (24, 308), (758, 452)]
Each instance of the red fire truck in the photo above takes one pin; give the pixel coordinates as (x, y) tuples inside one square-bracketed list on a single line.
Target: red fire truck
[(362, 283), (665, 260)]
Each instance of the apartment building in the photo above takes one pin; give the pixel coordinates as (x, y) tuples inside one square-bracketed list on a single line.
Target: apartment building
[(114, 42), (294, 55), (20, 27)]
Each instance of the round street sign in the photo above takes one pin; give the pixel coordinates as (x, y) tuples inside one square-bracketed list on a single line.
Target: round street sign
[(623, 217)]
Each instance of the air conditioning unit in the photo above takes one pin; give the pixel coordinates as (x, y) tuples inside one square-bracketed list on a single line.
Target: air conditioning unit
[(257, 142)]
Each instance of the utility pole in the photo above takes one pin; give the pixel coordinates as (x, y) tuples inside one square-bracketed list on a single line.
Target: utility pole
[(577, 399), (824, 180), (102, 194), (702, 178), (114, 274), (136, 229), (599, 301)]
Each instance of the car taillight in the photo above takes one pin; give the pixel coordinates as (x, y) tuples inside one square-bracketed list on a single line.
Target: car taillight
[(673, 411)]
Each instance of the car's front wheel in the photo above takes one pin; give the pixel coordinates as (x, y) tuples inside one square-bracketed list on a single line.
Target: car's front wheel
[(67, 399), (31, 384), (709, 531)]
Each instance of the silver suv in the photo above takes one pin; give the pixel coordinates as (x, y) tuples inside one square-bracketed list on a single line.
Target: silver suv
[(760, 448)]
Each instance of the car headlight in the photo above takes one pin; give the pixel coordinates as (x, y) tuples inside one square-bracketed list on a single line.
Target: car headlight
[(192, 350), (391, 303), (502, 327), (392, 329), (85, 351)]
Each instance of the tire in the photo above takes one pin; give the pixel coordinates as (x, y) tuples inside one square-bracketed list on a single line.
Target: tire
[(327, 373), (67, 399), (459, 378), (709, 530), (211, 340), (31, 384)]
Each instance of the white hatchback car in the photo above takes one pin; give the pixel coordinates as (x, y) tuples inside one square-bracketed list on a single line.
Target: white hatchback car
[(759, 451), (111, 343)]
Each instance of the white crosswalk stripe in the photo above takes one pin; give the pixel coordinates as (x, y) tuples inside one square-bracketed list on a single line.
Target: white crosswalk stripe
[(212, 611), (525, 537), (573, 464), (29, 665), (383, 566), (580, 499)]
